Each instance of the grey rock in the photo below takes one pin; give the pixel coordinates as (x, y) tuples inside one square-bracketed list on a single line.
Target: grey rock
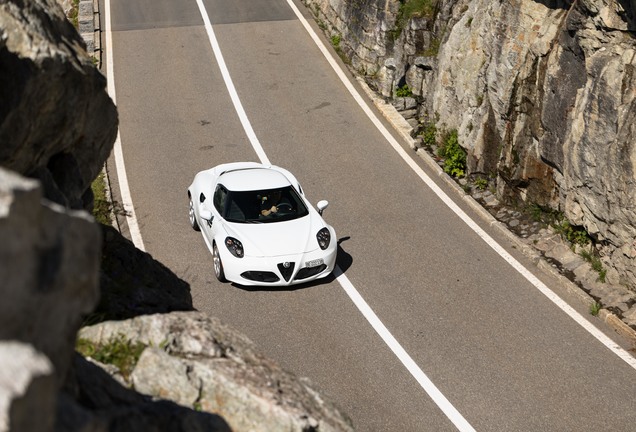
[(49, 271), (539, 93), (204, 364), (94, 401), (57, 123), (27, 389)]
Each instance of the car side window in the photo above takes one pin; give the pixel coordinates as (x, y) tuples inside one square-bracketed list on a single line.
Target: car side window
[(219, 199)]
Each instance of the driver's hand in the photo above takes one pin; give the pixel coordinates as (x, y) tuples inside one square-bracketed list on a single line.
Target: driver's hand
[(274, 209)]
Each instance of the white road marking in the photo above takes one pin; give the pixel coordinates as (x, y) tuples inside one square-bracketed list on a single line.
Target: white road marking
[(238, 106), (364, 308), (126, 199), (609, 343), (439, 399)]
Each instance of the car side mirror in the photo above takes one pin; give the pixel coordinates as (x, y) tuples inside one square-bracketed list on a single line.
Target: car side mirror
[(322, 205), (206, 214)]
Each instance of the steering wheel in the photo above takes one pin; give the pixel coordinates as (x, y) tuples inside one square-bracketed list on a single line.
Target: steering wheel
[(285, 208)]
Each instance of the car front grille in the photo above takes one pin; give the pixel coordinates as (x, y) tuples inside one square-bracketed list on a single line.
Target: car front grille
[(286, 269), (306, 272)]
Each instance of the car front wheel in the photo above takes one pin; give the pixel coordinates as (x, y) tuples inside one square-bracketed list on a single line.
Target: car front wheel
[(218, 265), (193, 219)]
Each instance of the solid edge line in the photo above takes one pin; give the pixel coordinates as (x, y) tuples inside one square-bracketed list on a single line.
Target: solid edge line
[(238, 106), (429, 387), (600, 336), (126, 198), (355, 296)]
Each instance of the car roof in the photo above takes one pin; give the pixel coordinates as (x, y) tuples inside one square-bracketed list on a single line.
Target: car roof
[(248, 179)]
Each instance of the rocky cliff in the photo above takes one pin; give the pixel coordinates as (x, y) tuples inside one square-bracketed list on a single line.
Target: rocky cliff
[(541, 92), (60, 271)]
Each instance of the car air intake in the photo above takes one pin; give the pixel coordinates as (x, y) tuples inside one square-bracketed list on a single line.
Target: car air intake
[(286, 269), (306, 272), (260, 276)]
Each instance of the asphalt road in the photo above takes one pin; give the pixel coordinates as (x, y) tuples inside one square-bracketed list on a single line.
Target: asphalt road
[(502, 354)]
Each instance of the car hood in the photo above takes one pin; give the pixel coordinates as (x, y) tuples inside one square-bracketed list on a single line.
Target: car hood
[(278, 238)]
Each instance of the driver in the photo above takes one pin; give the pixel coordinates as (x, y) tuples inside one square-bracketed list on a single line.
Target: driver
[(269, 203)]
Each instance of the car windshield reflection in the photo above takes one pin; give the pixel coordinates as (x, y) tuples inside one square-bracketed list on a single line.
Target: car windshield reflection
[(264, 206)]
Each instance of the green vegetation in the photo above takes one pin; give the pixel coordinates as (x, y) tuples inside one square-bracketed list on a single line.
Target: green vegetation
[(73, 13), (119, 352), (575, 235), (429, 135), (596, 263), (453, 154), (413, 9), (404, 91), (433, 48), (335, 41), (595, 308), (481, 183), (103, 208)]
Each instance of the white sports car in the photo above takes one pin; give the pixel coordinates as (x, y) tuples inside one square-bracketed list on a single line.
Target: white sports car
[(259, 227)]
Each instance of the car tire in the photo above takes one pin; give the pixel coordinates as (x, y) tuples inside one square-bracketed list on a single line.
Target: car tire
[(193, 217), (218, 265)]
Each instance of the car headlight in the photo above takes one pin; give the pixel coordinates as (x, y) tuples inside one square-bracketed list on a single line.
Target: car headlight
[(324, 238), (234, 246)]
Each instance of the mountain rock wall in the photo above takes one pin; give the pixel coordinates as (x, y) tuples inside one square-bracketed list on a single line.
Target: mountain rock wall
[(542, 94)]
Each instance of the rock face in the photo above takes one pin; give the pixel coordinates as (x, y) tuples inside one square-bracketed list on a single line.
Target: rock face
[(197, 362), (49, 267), (57, 124), (542, 95), (49, 270)]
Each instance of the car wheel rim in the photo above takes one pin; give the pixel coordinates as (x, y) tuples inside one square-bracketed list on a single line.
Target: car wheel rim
[(217, 262), (191, 213)]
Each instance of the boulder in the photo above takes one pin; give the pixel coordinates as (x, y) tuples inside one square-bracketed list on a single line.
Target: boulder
[(57, 123), (49, 271), (196, 361)]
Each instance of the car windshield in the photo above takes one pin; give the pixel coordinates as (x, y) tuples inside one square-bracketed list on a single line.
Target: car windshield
[(264, 206)]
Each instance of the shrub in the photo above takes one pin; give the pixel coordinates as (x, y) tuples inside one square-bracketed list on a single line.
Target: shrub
[(454, 156), (481, 183), (119, 352), (412, 8), (429, 135), (335, 41), (404, 91)]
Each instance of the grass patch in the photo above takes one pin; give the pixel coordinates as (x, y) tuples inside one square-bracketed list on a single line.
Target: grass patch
[(119, 352), (595, 308), (596, 264), (429, 135), (481, 183), (412, 9), (103, 208), (335, 41)]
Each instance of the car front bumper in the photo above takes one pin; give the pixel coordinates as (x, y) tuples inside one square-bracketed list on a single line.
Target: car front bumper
[(279, 270)]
